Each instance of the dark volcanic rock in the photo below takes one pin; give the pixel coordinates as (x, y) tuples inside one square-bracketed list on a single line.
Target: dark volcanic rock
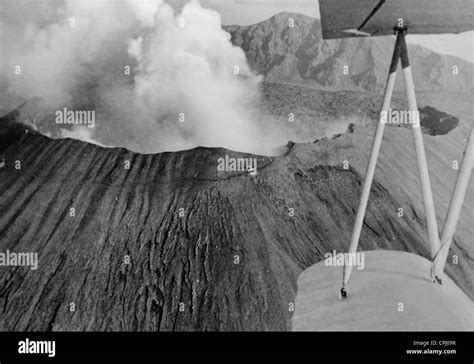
[(173, 244), (436, 122)]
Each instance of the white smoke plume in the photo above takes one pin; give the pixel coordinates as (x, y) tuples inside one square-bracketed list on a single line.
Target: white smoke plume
[(188, 85)]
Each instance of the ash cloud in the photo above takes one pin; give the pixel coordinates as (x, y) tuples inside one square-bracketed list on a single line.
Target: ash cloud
[(74, 54)]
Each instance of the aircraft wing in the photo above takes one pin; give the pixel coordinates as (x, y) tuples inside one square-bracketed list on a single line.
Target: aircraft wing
[(359, 18)]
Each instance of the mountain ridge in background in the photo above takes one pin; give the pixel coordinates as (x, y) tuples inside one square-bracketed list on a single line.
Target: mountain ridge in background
[(299, 55)]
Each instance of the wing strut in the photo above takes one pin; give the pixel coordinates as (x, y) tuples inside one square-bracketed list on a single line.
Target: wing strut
[(400, 53), (372, 13)]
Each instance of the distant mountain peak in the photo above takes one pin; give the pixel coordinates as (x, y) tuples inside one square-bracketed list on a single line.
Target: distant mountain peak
[(288, 47), (285, 15)]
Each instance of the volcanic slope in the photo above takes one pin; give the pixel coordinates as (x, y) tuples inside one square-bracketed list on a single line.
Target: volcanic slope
[(173, 244)]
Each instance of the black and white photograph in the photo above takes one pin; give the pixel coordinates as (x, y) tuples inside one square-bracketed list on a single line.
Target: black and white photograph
[(236, 175)]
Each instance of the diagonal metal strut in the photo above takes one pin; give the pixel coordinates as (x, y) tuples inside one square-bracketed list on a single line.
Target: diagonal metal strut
[(372, 13), (400, 54)]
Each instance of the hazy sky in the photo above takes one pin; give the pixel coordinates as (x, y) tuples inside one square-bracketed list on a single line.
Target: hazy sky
[(244, 12)]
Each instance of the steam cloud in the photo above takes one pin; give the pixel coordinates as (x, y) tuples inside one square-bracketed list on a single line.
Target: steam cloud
[(76, 54)]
